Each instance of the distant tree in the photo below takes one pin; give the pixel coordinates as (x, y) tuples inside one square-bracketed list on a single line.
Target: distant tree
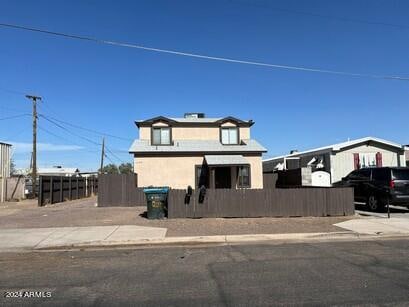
[(125, 168), (13, 170), (110, 169)]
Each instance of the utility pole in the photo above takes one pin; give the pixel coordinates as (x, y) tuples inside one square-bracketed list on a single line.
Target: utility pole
[(102, 155), (34, 172)]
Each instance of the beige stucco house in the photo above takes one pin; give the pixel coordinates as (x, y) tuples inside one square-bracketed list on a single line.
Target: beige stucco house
[(340, 159), (197, 151)]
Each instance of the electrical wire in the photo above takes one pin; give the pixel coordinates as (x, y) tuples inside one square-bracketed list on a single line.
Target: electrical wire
[(15, 116), (64, 139), (89, 130), (7, 139), (70, 132), (205, 57), (339, 18), (12, 109), (82, 137), (114, 155), (110, 160), (12, 91)]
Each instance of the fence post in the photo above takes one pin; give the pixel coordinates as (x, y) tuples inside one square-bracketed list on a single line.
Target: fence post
[(61, 189), (51, 189), (70, 188), (93, 186), (78, 194), (40, 192)]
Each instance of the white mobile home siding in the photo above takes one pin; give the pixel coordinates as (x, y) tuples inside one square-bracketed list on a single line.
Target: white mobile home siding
[(342, 163), (4, 168), (4, 160)]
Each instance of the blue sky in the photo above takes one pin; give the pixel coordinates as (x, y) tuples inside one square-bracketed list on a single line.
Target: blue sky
[(106, 88)]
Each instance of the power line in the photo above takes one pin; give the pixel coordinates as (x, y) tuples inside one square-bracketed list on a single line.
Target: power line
[(90, 130), (114, 155), (57, 136), (12, 109), (14, 135), (205, 57), (60, 137), (65, 129), (339, 18), (110, 160), (15, 116), (12, 91), (70, 132)]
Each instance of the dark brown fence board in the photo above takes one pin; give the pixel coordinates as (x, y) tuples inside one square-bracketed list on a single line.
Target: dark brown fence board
[(270, 180), (55, 189), (263, 203), (119, 190)]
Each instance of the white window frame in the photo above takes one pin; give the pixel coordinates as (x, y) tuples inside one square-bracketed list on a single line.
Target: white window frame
[(161, 136), (229, 136)]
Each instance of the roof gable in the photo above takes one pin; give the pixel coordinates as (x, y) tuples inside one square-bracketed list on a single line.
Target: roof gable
[(182, 122), (151, 121), (234, 120)]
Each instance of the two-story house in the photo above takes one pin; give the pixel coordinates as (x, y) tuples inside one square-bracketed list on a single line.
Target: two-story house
[(196, 151)]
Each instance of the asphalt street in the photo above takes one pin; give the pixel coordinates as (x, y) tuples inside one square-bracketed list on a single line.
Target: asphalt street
[(342, 273)]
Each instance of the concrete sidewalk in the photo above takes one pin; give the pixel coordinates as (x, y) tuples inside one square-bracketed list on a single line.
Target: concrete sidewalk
[(27, 239), (376, 226), (125, 235), (37, 238)]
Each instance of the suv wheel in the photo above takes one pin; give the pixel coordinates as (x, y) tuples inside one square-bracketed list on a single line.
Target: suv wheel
[(373, 203)]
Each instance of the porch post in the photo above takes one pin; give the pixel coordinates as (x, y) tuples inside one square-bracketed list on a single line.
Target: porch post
[(233, 176), (212, 184)]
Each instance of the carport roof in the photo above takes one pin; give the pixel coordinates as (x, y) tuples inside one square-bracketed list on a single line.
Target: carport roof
[(213, 160)]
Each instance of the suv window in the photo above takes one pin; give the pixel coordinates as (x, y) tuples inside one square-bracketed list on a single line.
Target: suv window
[(400, 174), (365, 174), (381, 174), (353, 175), (362, 174)]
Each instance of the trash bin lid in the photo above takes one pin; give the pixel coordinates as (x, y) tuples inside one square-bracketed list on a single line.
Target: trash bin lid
[(154, 190)]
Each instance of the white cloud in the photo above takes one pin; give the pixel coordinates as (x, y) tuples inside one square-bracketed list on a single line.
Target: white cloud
[(28, 147)]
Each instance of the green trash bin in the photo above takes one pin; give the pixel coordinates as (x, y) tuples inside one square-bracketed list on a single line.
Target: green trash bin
[(156, 198)]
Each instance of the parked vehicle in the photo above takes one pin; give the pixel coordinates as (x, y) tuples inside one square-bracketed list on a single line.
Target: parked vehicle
[(375, 186)]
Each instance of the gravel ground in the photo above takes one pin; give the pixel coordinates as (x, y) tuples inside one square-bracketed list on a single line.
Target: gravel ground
[(84, 212)]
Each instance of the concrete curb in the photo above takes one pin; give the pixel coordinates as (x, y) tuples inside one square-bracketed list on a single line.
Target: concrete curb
[(227, 239)]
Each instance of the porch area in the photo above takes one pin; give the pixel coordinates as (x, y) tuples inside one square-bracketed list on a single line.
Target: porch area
[(223, 172)]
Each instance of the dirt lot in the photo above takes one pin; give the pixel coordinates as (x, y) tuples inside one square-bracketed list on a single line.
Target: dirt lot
[(84, 212)]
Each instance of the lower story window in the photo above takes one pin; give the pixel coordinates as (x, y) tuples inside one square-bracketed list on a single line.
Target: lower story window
[(244, 177)]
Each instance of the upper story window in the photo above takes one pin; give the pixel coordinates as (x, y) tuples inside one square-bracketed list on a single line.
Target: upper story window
[(161, 136), (230, 136)]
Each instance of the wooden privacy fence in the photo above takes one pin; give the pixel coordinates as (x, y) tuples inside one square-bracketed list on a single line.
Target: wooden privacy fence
[(119, 190), (55, 189), (263, 203)]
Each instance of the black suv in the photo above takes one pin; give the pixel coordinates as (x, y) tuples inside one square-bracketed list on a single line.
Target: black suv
[(375, 186)]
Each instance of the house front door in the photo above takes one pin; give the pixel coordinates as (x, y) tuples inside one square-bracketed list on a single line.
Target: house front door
[(222, 177)]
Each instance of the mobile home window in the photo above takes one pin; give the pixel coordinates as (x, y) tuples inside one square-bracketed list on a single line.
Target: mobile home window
[(230, 136), (244, 177), (161, 136)]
